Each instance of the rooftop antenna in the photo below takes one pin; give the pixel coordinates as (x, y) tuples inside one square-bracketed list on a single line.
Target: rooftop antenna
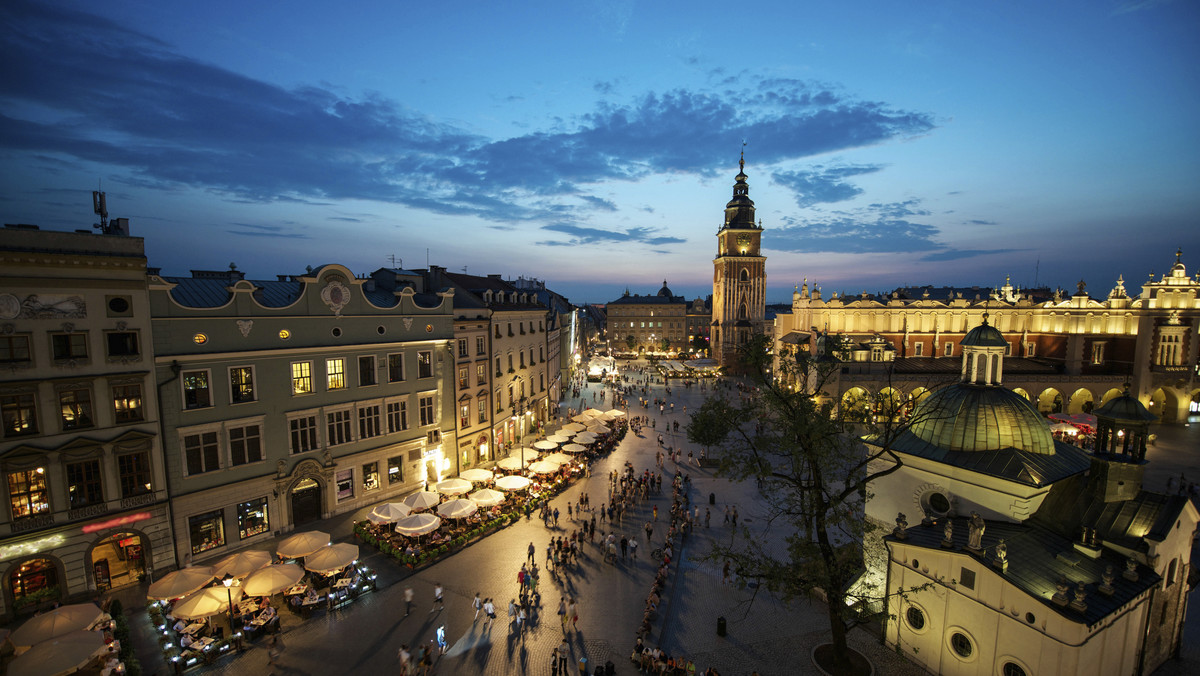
[(426, 258), (396, 262), (100, 207), (1036, 268)]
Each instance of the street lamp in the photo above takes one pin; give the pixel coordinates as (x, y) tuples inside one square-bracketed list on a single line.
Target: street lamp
[(228, 582)]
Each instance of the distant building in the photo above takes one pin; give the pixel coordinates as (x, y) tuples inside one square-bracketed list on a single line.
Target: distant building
[(1065, 353), (739, 276), (290, 400), (652, 323), (80, 452)]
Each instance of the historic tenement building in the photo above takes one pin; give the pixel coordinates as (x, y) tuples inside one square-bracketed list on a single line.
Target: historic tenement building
[(1068, 353), (739, 276), (86, 504), (290, 400), (651, 323)]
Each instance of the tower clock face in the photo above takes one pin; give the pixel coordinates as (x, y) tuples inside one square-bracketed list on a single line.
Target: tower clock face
[(743, 241)]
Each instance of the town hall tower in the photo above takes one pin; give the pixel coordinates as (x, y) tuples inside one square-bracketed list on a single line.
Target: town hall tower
[(739, 276)]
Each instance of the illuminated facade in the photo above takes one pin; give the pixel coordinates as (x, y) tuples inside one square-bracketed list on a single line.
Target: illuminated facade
[(86, 495), (1067, 353), (648, 323), (739, 276), (291, 400)]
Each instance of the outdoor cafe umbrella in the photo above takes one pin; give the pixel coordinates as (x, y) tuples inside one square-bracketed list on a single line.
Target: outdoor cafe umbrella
[(457, 509), (559, 458), (63, 654), (418, 524), (272, 579), (524, 452), (389, 512), (486, 497), (582, 418), (302, 544), (331, 559), (242, 564), (512, 483), (1067, 428), (614, 413), (207, 602), (57, 622), (543, 467), (422, 500), (454, 486), (573, 448), (180, 583), (593, 412), (573, 427), (545, 445), (558, 438), (511, 463), (476, 474), (585, 438), (598, 429)]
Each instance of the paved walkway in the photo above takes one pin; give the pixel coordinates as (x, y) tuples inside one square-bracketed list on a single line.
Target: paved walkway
[(762, 634)]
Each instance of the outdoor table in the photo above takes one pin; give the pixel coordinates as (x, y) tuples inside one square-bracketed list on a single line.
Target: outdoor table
[(299, 588), (343, 583), (247, 607), (193, 628)]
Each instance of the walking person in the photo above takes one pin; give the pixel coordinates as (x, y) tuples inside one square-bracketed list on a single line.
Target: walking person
[(274, 649), (441, 640), (438, 602), (573, 611), (408, 599), (564, 651), (489, 609), (562, 613), (531, 552), (405, 658), (478, 607)]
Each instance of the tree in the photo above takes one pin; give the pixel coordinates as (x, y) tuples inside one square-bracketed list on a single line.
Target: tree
[(813, 473), (631, 342), (700, 343), (666, 344)]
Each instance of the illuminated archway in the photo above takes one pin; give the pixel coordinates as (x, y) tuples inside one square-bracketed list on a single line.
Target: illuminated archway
[(34, 581), (856, 405), (1110, 395), (1081, 401), (1021, 392), (888, 403), (918, 394), (1169, 404), (1050, 401)]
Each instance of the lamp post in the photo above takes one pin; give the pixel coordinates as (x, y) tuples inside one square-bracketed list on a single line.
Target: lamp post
[(228, 582)]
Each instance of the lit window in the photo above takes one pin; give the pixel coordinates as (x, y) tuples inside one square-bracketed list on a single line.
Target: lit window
[(370, 476), (27, 493), (302, 377), (252, 518), (335, 373), (199, 339), (196, 392), (241, 384), (425, 364), (76, 409), (207, 531), (284, 334)]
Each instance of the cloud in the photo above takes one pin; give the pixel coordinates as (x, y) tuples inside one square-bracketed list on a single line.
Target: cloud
[(979, 221), (584, 235), (68, 94), (956, 254), (345, 219), (876, 228), (823, 184)]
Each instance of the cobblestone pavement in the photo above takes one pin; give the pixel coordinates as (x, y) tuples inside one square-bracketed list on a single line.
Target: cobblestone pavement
[(767, 636)]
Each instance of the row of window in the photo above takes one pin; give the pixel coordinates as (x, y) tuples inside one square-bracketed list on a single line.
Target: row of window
[(651, 325), (19, 411), (480, 346), (29, 489), (207, 531), (521, 364), (520, 328), (240, 442), (197, 384), (15, 349)]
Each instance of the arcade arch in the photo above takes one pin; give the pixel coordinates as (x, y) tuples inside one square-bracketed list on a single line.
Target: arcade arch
[(889, 402), (1081, 401), (856, 405), (1110, 395), (1022, 392), (1050, 401)]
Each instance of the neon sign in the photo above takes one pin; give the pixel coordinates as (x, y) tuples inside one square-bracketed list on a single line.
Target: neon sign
[(119, 521)]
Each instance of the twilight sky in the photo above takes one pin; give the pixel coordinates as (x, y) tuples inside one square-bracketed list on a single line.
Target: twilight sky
[(593, 143)]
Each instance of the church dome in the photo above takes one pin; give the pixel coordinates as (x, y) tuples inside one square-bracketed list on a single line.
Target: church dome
[(665, 291), (967, 417), (984, 335), (1125, 409)]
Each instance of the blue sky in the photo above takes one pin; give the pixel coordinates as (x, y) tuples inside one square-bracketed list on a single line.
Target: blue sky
[(593, 144)]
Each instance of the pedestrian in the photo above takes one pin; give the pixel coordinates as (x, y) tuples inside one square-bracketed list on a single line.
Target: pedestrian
[(564, 650), (274, 649), (531, 552), (408, 599), (624, 547), (489, 609), (707, 517), (405, 658), (556, 516), (512, 613), (573, 611), (726, 513), (656, 512), (725, 573), (520, 618), (568, 511), (735, 517), (633, 548), (478, 606), (441, 640), (649, 531), (438, 602), (562, 613)]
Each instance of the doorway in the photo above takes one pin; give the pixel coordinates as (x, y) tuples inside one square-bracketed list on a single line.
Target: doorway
[(306, 502), (118, 560)]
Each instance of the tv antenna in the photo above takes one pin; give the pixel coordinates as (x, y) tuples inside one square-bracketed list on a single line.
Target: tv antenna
[(396, 262), (101, 209)]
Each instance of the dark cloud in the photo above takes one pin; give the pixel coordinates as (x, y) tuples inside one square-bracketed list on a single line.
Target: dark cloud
[(823, 184), (956, 254), (79, 86), (978, 221), (346, 219), (603, 87), (584, 235), (877, 228)]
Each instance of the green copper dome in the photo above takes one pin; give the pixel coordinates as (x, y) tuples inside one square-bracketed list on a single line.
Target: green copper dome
[(966, 417), (984, 335)]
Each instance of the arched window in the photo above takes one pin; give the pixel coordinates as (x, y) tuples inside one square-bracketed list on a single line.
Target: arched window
[(35, 580), (742, 313), (1171, 572), (745, 276)]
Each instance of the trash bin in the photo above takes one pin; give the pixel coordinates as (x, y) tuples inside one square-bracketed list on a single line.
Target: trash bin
[(712, 498), (583, 666), (721, 626)]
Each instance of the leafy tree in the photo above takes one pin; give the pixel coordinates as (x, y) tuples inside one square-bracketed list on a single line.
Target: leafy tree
[(700, 343), (631, 342), (813, 473), (666, 344)]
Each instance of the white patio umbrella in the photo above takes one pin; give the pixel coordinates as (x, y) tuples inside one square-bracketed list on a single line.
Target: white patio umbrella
[(302, 544), (593, 412), (615, 413), (180, 583), (598, 429), (558, 439), (545, 445), (512, 483), (476, 474), (242, 564), (389, 512), (486, 497), (207, 602), (543, 467), (63, 654), (272, 579), (530, 454), (457, 509), (418, 524), (558, 458), (573, 427), (582, 418), (1064, 427), (422, 500), (454, 486), (511, 463), (585, 438), (331, 559), (54, 623), (573, 448)]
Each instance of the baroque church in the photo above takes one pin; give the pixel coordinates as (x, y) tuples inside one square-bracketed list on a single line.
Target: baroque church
[(1026, 555), (739, 276)]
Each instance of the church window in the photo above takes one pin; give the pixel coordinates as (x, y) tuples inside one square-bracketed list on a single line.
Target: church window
[(1030, 618), (949, 349), (915, 618), (1030, 349), (918, 349), (745, 275), (1171, 572), (967, 578), (1012, 669), (938, 503), (961, 644)]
